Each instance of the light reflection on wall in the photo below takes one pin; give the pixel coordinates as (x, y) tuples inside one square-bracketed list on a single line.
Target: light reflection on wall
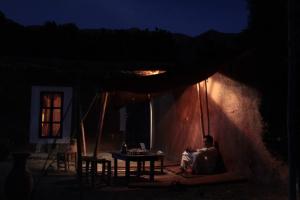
[(235, 123), (229, 100), (176, 122), (43, 116), (238, 126), (239, 102)]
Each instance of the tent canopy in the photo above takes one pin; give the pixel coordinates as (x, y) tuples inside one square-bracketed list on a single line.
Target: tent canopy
[(64, 54)]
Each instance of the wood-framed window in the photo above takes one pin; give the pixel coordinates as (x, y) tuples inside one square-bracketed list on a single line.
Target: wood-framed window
[(51, 114)]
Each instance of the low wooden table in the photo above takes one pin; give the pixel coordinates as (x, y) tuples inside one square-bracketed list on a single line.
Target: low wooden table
[(151, 157)]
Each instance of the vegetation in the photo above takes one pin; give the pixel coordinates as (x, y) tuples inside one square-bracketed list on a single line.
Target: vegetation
[(267, 35)]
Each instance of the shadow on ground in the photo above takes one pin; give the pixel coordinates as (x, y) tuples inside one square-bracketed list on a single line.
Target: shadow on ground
[(64, 185)]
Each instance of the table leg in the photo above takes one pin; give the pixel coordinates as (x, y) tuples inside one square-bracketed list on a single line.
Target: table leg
[(108, 172), (93, 171), (87, 170), (58, 160), (73, 158), (162, 165), (138, 174), (151, 170), (127, 171), (115, 168), (103, 169), (69, 159)]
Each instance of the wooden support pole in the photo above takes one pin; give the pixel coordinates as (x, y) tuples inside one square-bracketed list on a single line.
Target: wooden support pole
[(83, 138), (201, 109), (98, 138), (78, 137), (207, 110)]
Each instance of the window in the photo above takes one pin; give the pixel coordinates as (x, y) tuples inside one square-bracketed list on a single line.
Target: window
[(51, 110)]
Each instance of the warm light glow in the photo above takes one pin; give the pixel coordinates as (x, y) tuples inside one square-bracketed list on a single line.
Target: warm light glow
[(83, 138), (232, 99), (151, 123), (43, 116), (149, 72)]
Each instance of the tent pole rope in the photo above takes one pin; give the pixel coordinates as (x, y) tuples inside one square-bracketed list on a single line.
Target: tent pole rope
[(90, 107), (83, 137), (207, 111), (82, 123), (79, 140), (98, 139), (201, 109), (151, 121)]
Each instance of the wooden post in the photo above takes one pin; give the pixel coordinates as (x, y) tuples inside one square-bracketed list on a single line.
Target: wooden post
[(207, 110), (98, 138), (82, 122), (83, 137), (151, 122), (201, 109), (78, 136)]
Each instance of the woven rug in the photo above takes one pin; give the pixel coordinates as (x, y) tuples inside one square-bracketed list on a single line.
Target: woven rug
[(176, 170)]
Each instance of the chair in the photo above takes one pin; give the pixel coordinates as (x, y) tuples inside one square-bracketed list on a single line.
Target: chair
[(71, 159), (105, 172), (61, 161), (91, 169), (87, 167), (65, 160)]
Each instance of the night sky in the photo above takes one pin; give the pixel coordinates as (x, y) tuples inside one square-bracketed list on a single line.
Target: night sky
[(190, 17)]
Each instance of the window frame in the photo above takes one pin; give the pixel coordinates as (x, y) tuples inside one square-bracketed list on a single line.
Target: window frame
[(51, 108)]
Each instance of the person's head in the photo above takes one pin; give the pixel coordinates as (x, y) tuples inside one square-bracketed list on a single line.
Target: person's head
[(208, 141)]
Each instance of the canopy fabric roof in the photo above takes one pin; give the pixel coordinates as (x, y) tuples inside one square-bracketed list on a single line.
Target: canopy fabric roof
[(53, 54)]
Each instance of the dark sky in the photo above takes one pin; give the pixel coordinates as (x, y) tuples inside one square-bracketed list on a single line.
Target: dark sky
[(190, 17)]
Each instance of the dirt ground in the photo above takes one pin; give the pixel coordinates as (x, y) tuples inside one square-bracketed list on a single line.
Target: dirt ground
[(64, 185)]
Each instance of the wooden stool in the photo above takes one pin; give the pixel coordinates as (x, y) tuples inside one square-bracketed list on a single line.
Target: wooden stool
[(105, 172), (71, 158), (61, 160), (91, 171), (87, 167)]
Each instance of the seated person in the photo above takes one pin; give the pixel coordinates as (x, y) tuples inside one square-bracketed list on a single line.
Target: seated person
[(202, 161)]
